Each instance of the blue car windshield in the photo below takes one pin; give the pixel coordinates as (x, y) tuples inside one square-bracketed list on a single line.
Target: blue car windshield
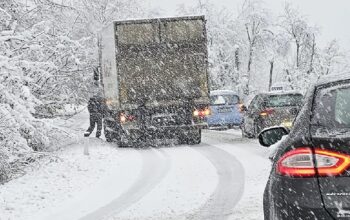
[(224, 100)]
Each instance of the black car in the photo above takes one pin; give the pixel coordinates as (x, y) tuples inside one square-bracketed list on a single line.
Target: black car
[(310, 176), (271, 109)]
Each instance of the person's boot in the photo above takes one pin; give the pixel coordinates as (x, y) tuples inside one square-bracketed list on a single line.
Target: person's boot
[(86, 134)]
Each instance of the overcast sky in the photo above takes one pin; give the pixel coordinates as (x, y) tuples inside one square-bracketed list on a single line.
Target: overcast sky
[(332, 16)]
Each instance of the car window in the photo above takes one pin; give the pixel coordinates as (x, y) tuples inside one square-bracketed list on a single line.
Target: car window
[(224, 99), (342, 107), (284, 100), (256, 103), (332, 107)]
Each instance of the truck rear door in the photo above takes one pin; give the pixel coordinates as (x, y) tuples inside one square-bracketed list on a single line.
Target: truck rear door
[(162, 59)]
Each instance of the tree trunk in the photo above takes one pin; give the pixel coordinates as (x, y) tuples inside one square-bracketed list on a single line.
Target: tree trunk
[(271, 73), (311, 68), (250, 61), (298, 51), (289, 77), (237, 63)]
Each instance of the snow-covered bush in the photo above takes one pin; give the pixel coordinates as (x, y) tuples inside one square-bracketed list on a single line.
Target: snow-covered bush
[(47, 52), (28, 78)]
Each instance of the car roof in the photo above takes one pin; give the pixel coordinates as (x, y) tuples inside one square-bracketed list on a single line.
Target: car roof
[(333, 78), (223, 92), (291, 92)]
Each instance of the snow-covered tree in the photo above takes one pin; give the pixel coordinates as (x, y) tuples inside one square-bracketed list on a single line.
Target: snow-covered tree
[(47, 52), (255, 19), (223, 44), (330, 60), (299, 68)]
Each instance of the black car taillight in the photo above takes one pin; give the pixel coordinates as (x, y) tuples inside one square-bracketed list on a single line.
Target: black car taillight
[(267, 112), (300, 163)]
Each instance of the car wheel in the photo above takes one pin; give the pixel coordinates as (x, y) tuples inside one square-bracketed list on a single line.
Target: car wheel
[(246, 134), (257, 129)]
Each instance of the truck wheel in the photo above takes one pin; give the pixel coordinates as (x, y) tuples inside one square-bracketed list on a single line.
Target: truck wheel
[(195, 137), (111, 137), (182, 139), (108, 136)]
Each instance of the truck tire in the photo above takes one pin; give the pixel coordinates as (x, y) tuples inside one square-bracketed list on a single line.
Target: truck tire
[(182, 139), (195, 137), (108, 136), (112, 137)]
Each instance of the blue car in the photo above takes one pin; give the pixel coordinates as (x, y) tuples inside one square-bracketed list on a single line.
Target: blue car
[(225, 109)]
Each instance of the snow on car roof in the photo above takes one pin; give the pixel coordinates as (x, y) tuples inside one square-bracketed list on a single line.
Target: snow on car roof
[(333, 78), (223, 92), (289, 92)]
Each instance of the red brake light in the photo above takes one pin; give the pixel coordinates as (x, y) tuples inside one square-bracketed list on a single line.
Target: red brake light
[(196, 113), (206, 112), (123, 118), (201, 112), (300, 163), (241, 107), (267, 112)]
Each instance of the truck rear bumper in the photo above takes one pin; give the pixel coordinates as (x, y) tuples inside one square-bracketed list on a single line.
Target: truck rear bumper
[(162, 132), (157, 136), (130, 133)]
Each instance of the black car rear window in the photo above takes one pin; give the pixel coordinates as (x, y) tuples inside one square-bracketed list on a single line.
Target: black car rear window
[(284, 100), (332, 107)]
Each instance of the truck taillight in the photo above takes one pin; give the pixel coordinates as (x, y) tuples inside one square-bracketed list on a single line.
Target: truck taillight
[(109, 102), (201, 112), (123, 118), (300, 163)]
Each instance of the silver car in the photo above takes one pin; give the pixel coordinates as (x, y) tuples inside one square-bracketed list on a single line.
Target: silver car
[(271, 109)]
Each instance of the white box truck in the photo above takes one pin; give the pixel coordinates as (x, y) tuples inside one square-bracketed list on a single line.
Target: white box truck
[(155, 80)]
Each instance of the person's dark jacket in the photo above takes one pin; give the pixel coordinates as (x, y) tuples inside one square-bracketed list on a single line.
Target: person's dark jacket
[(96, 105)]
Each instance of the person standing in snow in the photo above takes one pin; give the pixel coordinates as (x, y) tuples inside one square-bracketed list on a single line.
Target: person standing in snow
[(96, 109)]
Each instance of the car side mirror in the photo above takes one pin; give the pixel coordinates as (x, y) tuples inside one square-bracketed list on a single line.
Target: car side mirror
[(272, 135)]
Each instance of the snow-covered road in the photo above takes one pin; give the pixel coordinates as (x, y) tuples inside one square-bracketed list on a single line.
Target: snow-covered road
[(222, 178)]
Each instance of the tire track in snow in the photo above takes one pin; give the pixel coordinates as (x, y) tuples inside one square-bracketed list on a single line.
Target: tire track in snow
[(156, 164), (230, 185), (250, 145)]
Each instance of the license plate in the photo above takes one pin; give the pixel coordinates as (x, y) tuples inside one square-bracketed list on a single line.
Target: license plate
[(224, 110), (165, 141)]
